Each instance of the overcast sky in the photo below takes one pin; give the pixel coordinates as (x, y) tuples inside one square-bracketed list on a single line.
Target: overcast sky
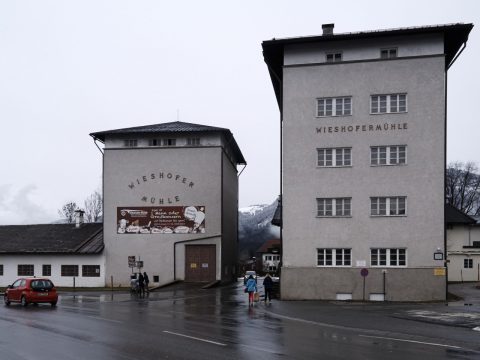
[(69, 68)]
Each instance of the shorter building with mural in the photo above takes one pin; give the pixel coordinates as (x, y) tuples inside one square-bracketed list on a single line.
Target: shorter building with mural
[(170, 202)]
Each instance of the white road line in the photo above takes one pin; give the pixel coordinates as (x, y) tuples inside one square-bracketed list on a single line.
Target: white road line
[(476, 328), (411, 341), (105, 319), (195, 338)]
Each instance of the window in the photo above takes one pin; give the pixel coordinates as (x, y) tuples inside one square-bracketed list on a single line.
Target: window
[(388, 257), (46, 270), (25, 270), (388, 155), (334, 257), (153, 142), (388, 53), (69, 270), (334, 157), (333, 207), (130, 143), (169, 142), (91, 270), (388, 206), (1, 269), (333, 57), (193, 141), (467, 263), (386, 104), (341, 106)]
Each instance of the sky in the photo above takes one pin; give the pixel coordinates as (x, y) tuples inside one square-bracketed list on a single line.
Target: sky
[(69, 68)]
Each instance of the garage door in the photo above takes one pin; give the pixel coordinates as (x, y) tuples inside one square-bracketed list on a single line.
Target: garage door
[(200, 263)]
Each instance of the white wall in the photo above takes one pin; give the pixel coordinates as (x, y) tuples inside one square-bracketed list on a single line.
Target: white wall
[(458, 237), (10, 263)]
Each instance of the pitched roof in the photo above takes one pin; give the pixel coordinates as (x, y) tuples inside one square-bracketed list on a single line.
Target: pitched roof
[(269, 245), (173, 127), (455, 216), (455, 35), (52, 239)]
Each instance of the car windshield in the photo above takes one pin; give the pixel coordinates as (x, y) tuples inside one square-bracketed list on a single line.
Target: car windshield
[(41, 284), (250, 273)]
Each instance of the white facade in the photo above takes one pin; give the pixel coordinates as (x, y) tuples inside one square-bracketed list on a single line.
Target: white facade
[(165, 173), (10, 268), (463, 252)]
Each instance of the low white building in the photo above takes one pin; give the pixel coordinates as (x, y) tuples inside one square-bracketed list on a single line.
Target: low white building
[(67, 254), (463, 246)]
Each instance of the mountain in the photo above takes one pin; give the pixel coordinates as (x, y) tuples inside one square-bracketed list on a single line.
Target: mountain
[(254, 228)]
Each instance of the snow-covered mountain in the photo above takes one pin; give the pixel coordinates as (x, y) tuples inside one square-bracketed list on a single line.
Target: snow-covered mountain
[(254, 228)]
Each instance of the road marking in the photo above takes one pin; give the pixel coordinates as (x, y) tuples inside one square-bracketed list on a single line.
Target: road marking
[(105, 319), (476, 328), (411, 341), (194, 338)]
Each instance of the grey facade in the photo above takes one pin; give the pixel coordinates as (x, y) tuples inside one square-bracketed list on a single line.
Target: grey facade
[(162, 171), (363, 178)]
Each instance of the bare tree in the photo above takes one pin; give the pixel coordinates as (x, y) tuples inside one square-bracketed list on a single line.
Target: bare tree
[(67, 211), (463, 187), (93, 207)]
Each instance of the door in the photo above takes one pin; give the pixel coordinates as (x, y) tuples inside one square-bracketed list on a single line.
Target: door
[(200, 263)]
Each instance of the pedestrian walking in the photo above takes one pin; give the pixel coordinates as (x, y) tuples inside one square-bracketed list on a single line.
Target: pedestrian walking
[(268, 287), (251, 289), (141, 284), (146, 280)]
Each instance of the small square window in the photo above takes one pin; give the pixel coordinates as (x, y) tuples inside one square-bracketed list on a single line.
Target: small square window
[(46, 270), (334, 57), (25, 270)]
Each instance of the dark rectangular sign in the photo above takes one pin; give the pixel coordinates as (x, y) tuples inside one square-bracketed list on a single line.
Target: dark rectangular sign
[(161, 220)]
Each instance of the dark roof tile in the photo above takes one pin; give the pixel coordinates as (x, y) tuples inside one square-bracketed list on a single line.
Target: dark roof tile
[(52, 239)]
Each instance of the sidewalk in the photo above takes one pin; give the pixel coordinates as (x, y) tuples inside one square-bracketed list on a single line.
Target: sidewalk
[(464, 313)]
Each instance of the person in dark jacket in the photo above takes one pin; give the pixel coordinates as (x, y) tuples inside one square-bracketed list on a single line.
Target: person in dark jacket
[(268, 287), (141, 284), (146, 280)]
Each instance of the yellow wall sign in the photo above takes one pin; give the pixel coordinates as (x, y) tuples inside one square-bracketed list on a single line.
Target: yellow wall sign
[(439, 272), (193, 265)]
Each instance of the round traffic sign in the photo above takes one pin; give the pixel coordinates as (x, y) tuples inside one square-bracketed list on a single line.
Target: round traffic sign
[(364, 272)]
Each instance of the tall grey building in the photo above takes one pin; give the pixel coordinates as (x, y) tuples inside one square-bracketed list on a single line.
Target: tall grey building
[(170, 202), (363, 119)]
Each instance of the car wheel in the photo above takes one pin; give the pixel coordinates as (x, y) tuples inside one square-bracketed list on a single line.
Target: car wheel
[(5, 299), (53, 303), (24, 301)]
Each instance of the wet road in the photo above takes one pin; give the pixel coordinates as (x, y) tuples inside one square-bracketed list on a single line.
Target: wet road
[(186, 322)]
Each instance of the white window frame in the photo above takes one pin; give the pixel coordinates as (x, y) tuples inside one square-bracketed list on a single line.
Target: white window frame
[(328, 207), (193, 141), (335, 103), (392, 155), (329, 157), (390, 254), (390, 203), (130, 142), (169, 142), (390, 99), (333, 252), (468, 263), (389, 53), (337, 56)]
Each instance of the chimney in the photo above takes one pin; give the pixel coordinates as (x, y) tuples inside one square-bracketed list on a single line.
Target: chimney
[(79, 218), (328, 29)]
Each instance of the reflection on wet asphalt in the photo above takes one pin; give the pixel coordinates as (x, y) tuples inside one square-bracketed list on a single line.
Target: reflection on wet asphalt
[(187, 322)]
